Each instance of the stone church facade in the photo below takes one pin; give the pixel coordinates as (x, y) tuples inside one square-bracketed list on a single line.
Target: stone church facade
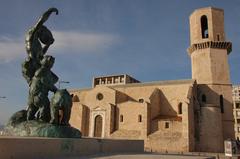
[(178, 116)]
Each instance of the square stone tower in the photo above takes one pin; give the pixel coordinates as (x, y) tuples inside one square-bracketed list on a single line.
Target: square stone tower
[(209, 57)]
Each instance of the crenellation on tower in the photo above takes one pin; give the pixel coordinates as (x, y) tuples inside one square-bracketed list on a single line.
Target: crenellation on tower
[(211, 44)]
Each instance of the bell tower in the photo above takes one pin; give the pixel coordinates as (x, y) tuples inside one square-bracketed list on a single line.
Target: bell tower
[(209, 52)]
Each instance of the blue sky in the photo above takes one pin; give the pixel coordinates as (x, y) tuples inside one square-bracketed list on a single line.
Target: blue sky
[(143, 38)]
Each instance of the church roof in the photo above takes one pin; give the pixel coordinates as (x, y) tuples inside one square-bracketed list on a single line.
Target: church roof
[(169, 82)]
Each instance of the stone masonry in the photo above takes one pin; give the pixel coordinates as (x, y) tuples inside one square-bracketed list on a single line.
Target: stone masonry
[(174, 116)]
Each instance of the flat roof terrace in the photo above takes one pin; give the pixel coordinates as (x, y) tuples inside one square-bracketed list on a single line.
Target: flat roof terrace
[(114, 80)]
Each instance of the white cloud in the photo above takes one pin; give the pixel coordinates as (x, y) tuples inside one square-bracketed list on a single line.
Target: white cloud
[(11, 48), (65, 42), (82, 42)]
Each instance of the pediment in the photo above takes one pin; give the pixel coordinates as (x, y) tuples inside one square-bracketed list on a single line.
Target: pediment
[(101, 95), (98, 109)]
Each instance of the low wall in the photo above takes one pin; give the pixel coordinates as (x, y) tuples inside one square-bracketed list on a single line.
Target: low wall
[(43, 148)]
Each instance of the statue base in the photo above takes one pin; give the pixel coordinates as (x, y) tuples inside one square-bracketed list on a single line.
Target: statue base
[(43, 148), (18, 126)]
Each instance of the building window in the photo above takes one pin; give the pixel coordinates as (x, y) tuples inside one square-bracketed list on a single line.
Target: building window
[(204, 98), (221, 104), (97, 82), (121, 79), (99, 96), (141, 100), (109, 81), (139, 118), (238, 121), (237, 105), (121, 118), (166, 125), (238, 129), (180, 108), (204, 26)]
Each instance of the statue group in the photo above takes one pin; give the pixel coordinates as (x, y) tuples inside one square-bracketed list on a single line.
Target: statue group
[(42, 116)]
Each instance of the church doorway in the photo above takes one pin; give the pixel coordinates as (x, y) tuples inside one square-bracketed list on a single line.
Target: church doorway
[(98, 126)]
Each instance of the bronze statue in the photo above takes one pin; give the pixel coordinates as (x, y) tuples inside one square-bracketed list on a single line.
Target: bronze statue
[(36, 66), (36, 69)]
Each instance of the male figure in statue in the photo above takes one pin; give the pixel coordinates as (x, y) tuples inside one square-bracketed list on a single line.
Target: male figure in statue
[(42, 82), (35, 36)]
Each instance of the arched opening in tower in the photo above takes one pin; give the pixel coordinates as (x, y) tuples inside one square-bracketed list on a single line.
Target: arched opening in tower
[(204, 26)]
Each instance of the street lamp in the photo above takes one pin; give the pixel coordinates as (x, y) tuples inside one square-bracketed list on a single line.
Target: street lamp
[(59, 83)]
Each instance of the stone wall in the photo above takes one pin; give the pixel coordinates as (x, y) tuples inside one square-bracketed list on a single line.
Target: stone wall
[(44, 148), (144, 108)]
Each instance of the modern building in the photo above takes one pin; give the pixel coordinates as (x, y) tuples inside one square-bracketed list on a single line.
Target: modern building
[(236, 109), (178, 116)]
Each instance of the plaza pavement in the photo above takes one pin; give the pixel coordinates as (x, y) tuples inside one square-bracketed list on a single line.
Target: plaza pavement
[(141, 156)]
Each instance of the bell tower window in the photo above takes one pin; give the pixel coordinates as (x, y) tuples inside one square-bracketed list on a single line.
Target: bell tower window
[(204, 26)]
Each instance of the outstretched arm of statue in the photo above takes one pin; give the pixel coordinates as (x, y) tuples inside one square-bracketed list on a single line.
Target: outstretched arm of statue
[(45, 17), (40, 22)]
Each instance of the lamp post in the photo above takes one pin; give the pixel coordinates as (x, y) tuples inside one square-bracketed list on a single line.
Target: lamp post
[(59, 83)]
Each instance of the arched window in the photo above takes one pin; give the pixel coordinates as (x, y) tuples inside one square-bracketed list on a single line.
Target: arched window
[(204, 98), (180, 108), (166, 125), (139, 118), (204, 26), (121, 118), (221, 104)]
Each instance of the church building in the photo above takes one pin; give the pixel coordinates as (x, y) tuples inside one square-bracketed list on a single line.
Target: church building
[(175, 116)]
